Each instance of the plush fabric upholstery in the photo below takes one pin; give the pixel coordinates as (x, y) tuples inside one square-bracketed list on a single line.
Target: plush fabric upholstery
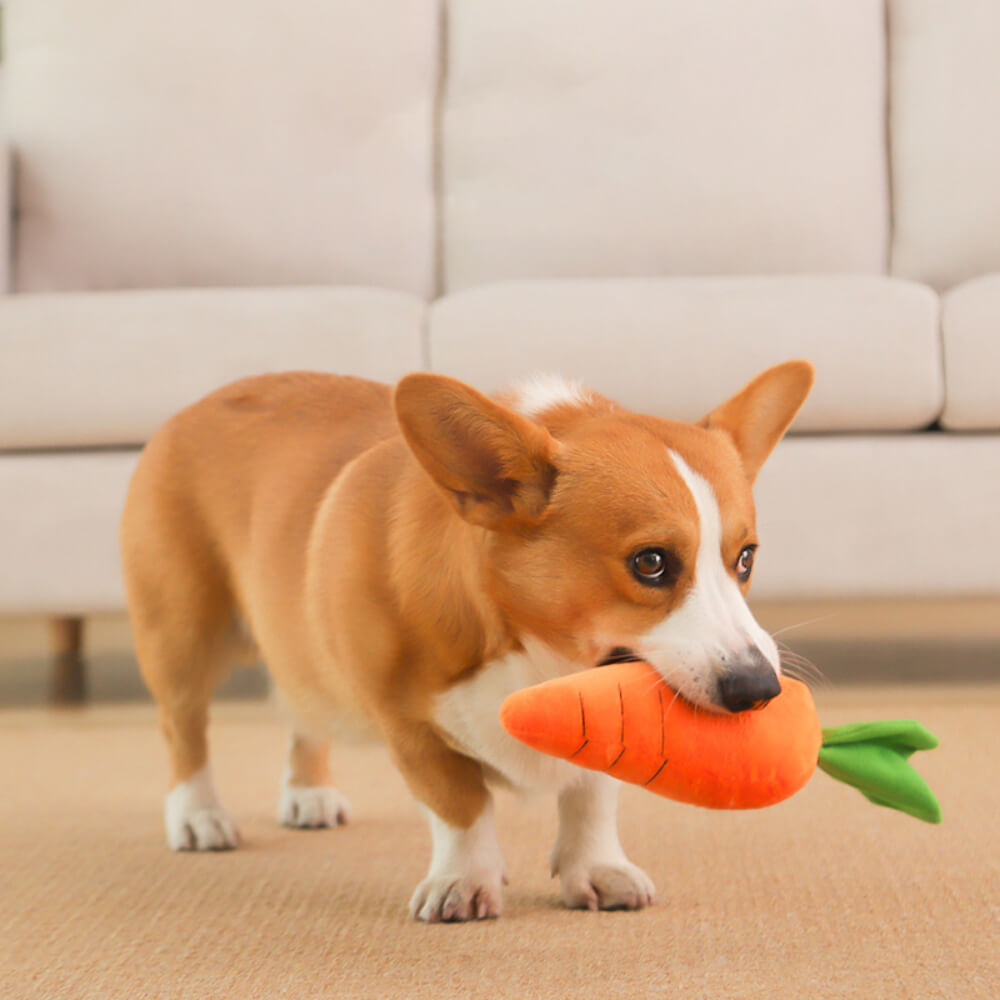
[(677, 346), (971, 328), (945, 140), (659, 197), (107, 368), (905, 515), (220, 143), (59, 515), (854, 514), (653, 137)]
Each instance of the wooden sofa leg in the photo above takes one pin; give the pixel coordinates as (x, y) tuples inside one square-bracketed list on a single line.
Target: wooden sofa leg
[(68, 685)]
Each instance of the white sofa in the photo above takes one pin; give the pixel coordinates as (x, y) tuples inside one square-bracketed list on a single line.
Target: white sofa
[(657, 196)]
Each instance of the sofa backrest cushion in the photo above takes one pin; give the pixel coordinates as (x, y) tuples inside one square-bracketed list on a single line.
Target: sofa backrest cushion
[(945, 135), (105, 369), (676, 347), (651, 137), (207, 143)]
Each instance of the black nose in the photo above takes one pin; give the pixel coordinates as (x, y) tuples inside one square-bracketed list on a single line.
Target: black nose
[(750, 685)]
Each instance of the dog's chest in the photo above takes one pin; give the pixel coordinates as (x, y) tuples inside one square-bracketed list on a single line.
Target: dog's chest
[(470, 714)]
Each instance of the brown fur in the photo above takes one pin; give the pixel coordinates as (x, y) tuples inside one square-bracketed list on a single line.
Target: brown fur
[(376, 561)]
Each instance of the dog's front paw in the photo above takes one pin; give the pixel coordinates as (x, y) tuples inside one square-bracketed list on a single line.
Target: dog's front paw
[(448, 898), (616, 886), (312, 807)]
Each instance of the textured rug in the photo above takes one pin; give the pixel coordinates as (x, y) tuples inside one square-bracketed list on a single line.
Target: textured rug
[(822, 896)]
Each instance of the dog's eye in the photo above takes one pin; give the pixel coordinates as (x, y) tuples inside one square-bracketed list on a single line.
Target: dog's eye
[(654, 567), (744, 565)]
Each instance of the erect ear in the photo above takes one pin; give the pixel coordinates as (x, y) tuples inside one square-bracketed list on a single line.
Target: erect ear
[(760, 413), (493, 464)]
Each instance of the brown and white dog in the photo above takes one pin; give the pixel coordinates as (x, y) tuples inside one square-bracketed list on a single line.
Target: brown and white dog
[(413, 556)]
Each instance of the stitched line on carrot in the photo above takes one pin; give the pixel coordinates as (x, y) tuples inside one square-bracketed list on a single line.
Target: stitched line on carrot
[(583, 728), (656, 774), (621, 714)]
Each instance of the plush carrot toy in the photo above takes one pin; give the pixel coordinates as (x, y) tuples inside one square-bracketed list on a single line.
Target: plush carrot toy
[(624, 720)]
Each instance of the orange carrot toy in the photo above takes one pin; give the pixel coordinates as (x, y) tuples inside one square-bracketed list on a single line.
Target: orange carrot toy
[(624, 720)]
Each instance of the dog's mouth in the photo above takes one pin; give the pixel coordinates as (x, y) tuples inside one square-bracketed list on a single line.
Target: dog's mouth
[(620, 654)]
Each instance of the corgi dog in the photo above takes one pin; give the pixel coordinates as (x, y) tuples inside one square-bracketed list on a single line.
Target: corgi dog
[(411, 556)]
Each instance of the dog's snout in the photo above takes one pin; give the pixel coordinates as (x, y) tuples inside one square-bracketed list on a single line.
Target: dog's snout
[(751, 683)]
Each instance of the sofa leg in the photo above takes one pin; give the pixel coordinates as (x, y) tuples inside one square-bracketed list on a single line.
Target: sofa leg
[(68, 683)]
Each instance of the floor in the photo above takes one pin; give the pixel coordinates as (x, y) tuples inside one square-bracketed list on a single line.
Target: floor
[(822, 896)]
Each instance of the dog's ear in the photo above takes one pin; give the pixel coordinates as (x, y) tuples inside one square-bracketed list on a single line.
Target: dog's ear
[(760, 413), (495, 466)]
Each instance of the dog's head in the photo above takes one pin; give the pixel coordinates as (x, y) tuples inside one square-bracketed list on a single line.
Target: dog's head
[(609, 534)]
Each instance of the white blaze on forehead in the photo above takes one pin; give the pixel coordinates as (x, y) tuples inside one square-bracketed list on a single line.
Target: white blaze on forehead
[(715, 592), (539, 393), (713, 627)]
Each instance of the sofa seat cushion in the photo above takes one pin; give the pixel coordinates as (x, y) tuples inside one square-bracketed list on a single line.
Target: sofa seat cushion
[(59, 514), (106, 368), (970, 325), (838, 515), (861, 515), (675, 347)]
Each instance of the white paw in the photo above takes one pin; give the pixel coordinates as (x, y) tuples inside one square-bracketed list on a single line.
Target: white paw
[(447, 898), (619, 885), (208, 829), (467, 873), (312, 807), (195, 820)]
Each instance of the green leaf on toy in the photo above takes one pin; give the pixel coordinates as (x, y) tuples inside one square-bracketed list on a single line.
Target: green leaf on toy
[(874, 758)]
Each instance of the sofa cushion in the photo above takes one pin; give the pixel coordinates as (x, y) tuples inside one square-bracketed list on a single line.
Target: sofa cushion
[(903, 515), (843, 515), (945, 142), (106, 368), (677, 346), (59, 516), (970, 325), (222, 143), (652, 137)]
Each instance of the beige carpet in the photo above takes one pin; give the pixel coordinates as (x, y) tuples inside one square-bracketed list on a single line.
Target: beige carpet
[(823, 896)]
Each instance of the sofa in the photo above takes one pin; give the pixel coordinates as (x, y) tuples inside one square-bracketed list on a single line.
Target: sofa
[(657, 197)]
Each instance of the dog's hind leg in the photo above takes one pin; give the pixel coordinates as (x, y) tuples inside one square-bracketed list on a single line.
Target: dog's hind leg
[(308, 798), (182, 673), (186, 638)]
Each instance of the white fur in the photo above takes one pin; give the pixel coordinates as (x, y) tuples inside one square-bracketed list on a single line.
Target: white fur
[(588, 832), (470, 714), (466, 874), (588, 856), (539, 393), (714, 625), (195, 819), (308, 807), (311, 806)]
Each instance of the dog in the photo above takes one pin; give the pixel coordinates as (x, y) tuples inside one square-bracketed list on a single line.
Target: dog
[(411, 556)]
